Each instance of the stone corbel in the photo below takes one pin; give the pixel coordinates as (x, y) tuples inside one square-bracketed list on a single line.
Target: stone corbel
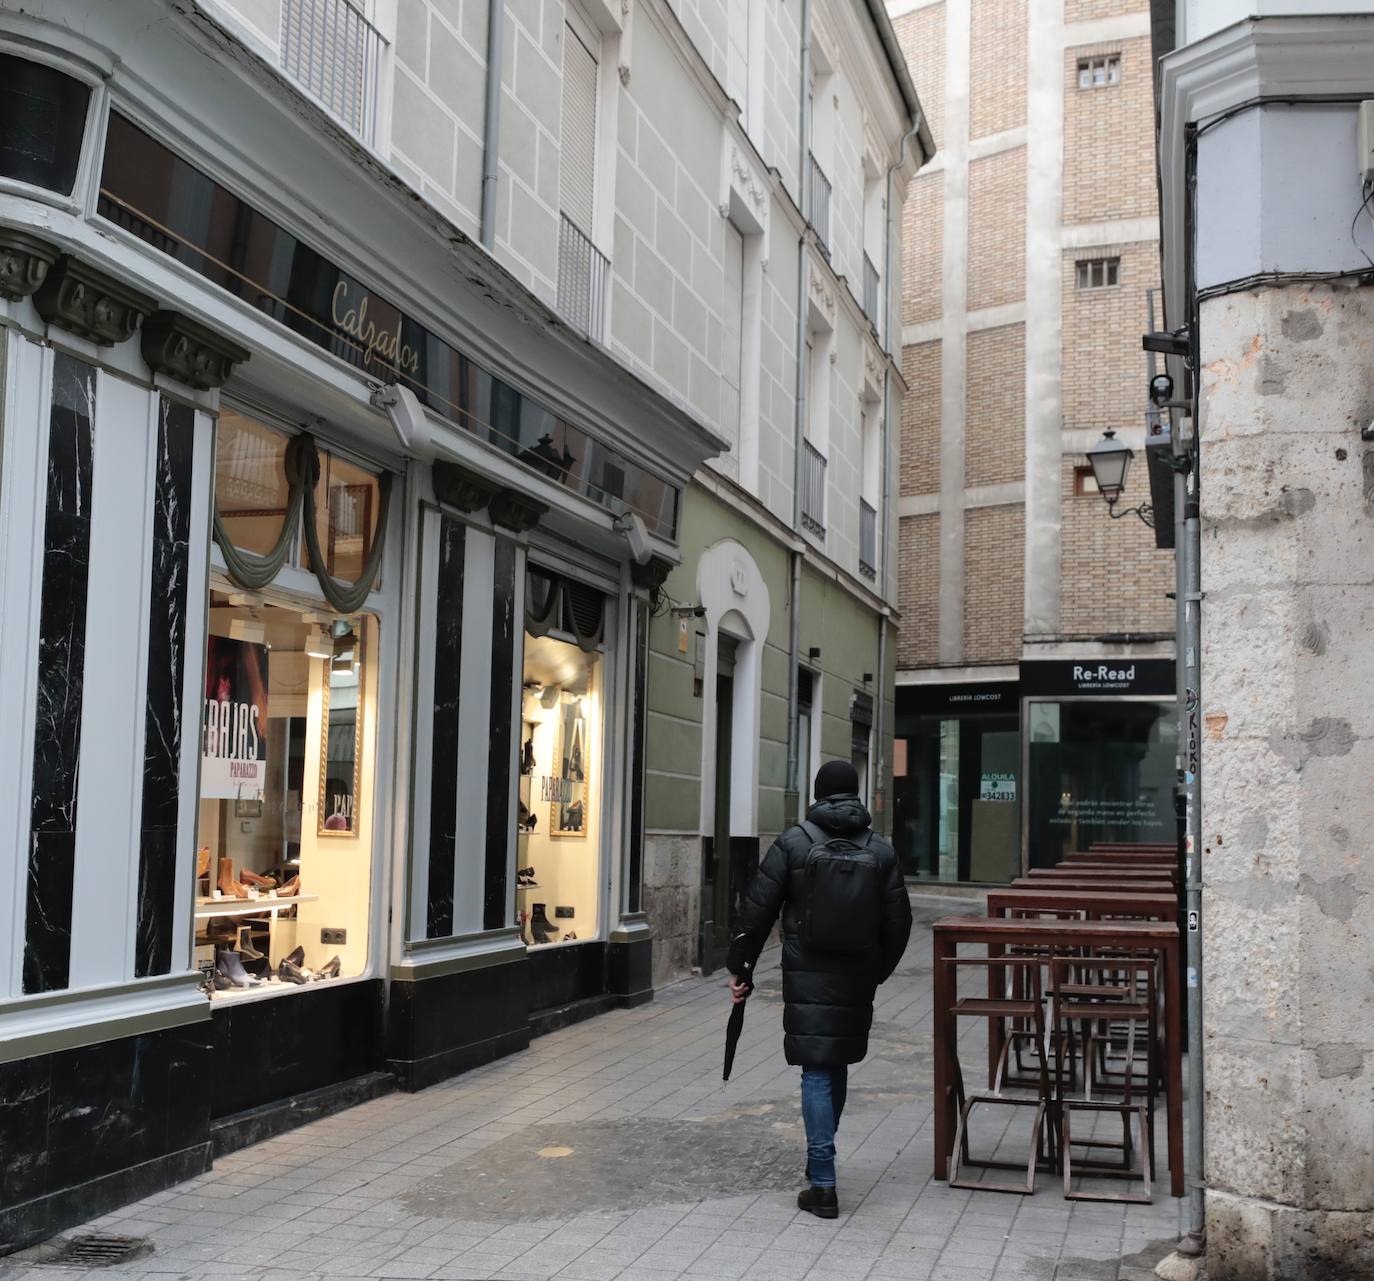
[(651, 576), (457, 487), (24, 263), (90, 303), (187, 351), (516, 511), (822, 296)]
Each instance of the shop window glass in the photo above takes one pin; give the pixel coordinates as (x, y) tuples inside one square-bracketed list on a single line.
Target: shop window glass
[(956, 799), (284, 858), (347, 501), (42, 124), (559, 816), (1100, 770), (251, 490)]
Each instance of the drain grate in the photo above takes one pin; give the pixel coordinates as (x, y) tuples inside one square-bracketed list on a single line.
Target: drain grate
[(100, 1250)]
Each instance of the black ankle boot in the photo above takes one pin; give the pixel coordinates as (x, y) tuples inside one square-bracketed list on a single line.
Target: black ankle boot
[(822, 1202)]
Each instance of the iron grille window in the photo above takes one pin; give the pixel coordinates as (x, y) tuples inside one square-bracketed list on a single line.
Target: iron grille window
[(1098, 273), (871, 300), (1098, 73), (334, 53), (582, 273), (868, 539), (813, 489), (820, 203)]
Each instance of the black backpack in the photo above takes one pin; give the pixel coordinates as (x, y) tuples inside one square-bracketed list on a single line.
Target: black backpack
[(842, 907)]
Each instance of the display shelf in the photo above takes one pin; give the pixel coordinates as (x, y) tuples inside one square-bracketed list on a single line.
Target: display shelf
[(208, 908)]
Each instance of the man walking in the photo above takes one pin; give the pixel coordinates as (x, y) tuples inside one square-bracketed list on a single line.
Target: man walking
[(845, 924)]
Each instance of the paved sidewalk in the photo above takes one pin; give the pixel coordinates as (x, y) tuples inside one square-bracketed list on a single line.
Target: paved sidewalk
[(611, 1151)]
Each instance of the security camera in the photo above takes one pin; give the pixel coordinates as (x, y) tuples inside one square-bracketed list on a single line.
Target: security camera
[(630, 524), (406, 415), (1164, 343), (1161, 390)]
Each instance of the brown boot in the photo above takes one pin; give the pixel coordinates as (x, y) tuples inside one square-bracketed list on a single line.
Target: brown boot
[(227, 885)]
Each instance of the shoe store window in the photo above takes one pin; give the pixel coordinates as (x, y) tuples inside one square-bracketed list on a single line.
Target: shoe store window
[(284, 857), (558, 824)]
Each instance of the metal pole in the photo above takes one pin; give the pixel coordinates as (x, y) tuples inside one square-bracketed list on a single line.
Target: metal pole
[(1191, 546)]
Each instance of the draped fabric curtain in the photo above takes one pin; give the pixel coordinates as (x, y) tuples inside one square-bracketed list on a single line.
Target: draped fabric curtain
[(253, 571), (553, 602)]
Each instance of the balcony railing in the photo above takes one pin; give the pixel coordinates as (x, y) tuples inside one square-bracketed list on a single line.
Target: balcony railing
[(813, 489), (868, 540), (820, 204), (871, 301), (331, 50), (582, 273)]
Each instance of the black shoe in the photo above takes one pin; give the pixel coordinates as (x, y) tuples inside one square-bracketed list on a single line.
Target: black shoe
[(297, 958), (330, 971), (228, 965), (822, 1202), (291, 973)]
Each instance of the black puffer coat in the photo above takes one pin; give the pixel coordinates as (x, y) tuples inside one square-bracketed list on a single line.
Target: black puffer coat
[(828, 996)]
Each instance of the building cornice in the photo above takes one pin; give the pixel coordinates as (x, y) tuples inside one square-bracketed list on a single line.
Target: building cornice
[(1258, 59)]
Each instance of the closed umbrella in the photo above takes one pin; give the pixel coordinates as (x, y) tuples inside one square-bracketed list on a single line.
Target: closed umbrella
[(732, 1030)]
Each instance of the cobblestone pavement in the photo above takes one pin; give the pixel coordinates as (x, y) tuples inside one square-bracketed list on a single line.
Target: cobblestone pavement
[(611, 1150)]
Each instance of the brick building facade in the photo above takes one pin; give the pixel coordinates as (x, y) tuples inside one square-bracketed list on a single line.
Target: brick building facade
[(1031, 247)]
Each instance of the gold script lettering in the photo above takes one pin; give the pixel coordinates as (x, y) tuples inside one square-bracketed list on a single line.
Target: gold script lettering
[(376, 341)]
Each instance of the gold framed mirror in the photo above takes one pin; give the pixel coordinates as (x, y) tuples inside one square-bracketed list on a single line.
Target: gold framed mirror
[(568, 817), (341, 734)]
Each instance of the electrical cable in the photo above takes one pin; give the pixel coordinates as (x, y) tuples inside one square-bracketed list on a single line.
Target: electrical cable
[(1368, 189)]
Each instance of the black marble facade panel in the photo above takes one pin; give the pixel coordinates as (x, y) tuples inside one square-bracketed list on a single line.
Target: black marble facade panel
[(630, 968), (443, 775), (634, 869), (61, 662), (560, 975), (75, 1116), (500, 821), (24, 1088), (301, 1041), (163, 712)]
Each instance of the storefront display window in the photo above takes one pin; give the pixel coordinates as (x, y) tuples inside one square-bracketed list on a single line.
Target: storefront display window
[(1099, 771), (283, 862), (957, 809), (283, 853), (562, 721)]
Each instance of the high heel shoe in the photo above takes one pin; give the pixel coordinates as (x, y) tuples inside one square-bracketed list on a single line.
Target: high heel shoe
[(226, 883), (296, 957), (252, 878), (291, 888), (330, 971), (289, 973)]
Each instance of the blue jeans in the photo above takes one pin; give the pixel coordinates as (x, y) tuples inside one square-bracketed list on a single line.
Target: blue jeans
[(823, 1095)]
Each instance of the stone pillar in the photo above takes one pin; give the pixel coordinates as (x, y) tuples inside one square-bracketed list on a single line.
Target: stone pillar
[(1287, 384)]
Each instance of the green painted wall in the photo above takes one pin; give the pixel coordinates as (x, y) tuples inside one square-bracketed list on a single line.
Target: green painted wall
[(832, 620)]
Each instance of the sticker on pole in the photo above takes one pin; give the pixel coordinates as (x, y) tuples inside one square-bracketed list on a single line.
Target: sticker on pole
[(1193, 921)]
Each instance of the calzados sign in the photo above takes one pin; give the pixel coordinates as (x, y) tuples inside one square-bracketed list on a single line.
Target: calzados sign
[(376, 340)]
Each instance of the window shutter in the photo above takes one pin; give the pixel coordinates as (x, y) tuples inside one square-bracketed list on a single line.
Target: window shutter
[(578, 173), (323, 49)]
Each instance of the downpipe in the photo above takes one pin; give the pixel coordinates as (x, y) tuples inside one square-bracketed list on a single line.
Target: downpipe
[(792, 794), (491, 123)]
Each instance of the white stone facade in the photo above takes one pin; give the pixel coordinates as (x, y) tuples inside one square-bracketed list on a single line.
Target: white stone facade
[(698, 113)]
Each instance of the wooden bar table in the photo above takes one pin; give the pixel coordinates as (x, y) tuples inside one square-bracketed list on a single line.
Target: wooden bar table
[(1108, 882), (1157, 936)]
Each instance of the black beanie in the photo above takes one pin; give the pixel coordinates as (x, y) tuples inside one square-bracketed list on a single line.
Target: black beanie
[(836, 778)]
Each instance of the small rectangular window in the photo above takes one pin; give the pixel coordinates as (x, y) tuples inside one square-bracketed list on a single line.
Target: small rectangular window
[(1098, 73), (1098, 273), (1084, 482)]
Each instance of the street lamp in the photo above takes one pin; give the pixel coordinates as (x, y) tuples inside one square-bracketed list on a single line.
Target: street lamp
[(1110, 460)]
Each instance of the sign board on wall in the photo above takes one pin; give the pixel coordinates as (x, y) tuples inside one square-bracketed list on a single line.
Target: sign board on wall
[(234, 749), (1098, 677)]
